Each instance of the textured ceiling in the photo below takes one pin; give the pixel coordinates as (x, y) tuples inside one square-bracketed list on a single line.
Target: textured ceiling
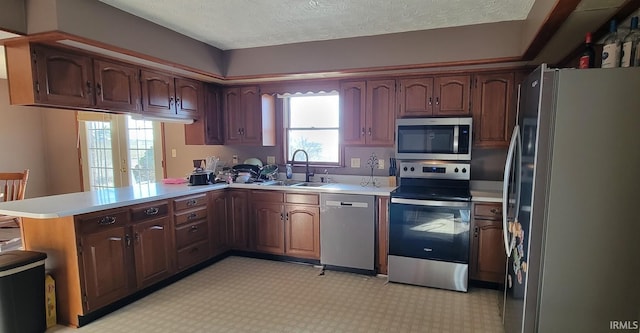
[(238, 24)]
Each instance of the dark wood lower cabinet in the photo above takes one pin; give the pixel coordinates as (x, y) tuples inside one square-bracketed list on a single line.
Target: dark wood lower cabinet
[(218, 217), (238, 219), (383, 234), (302, 231), (152, 255), (269, 227), (488, 258)]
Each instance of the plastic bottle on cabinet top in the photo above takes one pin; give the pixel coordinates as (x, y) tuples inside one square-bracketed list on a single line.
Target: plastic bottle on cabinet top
[(631, 46), (611, 47), (588, 56)]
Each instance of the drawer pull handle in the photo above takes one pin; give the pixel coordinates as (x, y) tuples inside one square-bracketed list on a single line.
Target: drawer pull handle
[(495, 211), (192, 216), (115, 239), (151, 211), (194, 228), (107, 220), (192, 202), (157, 227)]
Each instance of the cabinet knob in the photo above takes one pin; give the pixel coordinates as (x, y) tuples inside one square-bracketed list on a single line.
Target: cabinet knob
[(171, 101), (496, 211), (437, 100), (194, 228), (192, 202), (178, 102), (363, 131), (192, 216), (107, 220), (127, 240), (88, 88), (430, 100), (98, 89), (369, 131)]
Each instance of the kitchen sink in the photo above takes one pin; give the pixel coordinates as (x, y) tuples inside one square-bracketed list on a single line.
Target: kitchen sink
[(309, 184), (289, 182)]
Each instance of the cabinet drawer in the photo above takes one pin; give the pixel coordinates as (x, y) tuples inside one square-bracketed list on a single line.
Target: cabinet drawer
[(492, 211), (191, 233), (148, 211), (190, 202), (191, 215), (300, 198), (267, 196), (193, 254), (93, 222)]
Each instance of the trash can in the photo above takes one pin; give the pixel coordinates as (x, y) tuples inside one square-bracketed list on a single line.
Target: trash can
[(22, 300)]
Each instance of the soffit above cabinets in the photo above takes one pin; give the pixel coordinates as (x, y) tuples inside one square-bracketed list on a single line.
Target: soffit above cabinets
[(248, 23)]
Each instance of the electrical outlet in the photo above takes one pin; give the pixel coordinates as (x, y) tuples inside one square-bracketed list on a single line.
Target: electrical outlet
[(234, 159), (271, 160), (380, 164), (355, 162), (173, 152)]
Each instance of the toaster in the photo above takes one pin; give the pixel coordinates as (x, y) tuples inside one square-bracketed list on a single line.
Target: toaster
[(199, 179)]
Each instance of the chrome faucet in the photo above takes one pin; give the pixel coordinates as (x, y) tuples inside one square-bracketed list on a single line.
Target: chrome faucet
[(306, 156)]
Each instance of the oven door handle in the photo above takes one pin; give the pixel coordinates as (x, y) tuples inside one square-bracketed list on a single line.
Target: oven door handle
[(431, 203)]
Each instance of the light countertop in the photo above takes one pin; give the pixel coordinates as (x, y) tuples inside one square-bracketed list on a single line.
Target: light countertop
[(86, 202)]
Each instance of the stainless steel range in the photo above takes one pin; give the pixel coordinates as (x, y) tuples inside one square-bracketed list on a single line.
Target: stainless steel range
[(429, 225)]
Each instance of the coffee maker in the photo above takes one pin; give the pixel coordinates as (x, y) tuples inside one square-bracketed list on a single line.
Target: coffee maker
[(198, 176)]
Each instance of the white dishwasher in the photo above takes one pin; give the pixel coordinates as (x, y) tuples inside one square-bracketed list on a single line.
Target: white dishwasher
[(347, 232)]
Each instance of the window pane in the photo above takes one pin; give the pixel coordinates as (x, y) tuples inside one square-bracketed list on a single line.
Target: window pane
[(321, 145), (314, 111)]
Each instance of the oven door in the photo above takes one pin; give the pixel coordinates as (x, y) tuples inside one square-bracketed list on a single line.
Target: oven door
[(427, 229)]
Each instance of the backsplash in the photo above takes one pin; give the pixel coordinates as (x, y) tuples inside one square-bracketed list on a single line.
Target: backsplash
[(486, 164)]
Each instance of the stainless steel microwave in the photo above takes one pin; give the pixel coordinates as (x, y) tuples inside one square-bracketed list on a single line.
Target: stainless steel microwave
[(434, 139)]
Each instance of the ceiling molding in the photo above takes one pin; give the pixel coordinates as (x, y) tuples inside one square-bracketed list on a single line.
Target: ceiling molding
[(556, 18)]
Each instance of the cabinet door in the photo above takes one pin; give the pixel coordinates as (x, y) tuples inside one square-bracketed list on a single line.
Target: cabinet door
[(488, 258), (213, 117), (152, 253), (218, 222), (106, 259), (117, 86), (381, 116), (451, 96), (189, 98), (416, 97), (238, 220), (352, 112), (302, 231), (158, 93), (268, 220), (63, 78), (232, 115), (252, 115), (494, 109)]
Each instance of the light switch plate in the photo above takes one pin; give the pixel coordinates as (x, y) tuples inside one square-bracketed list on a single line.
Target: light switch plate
[(173, 152), (271, 160), (380, 164), (355, 162)]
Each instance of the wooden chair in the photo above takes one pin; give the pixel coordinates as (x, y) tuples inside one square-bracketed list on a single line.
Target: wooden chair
[(12, 187)]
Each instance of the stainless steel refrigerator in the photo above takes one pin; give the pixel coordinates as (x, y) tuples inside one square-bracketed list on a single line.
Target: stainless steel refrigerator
[(572, 203)]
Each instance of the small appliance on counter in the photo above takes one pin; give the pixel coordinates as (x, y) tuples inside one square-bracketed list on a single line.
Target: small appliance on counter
[(198, 176)]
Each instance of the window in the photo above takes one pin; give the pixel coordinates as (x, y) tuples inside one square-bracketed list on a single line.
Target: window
[(313, 124), (119, 151)]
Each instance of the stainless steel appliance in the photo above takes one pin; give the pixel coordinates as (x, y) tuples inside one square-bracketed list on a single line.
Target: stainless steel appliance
[(571, 186), (429, 219), (347, 232), (434, 139)]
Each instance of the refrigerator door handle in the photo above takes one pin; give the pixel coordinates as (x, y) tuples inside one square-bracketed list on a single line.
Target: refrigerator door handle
[(505, 188)]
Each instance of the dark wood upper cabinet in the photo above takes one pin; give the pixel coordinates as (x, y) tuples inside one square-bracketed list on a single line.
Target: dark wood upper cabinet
[(117, 86), (352, 112), (63, 78), (494, 109), (243, 113), (434, 96), (234, 120), (451, 96), (415, 97), (158, 93), (368, 112), (208, 130), (189, 98)]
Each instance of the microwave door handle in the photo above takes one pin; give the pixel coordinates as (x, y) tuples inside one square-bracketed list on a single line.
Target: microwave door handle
[(505, 189), (456, 136)]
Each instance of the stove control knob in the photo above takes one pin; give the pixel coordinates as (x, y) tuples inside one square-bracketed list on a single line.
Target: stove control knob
[(456, 170), (464, 170), (413, 169), (405, 168)]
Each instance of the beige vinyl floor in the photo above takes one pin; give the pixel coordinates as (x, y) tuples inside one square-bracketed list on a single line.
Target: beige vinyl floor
[(241, 294)]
